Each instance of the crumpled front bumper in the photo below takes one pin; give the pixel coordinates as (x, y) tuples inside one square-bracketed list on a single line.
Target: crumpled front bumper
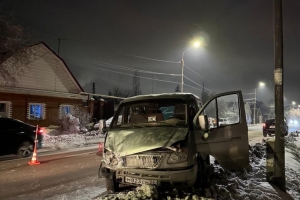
[(182, 177), (105, 172)]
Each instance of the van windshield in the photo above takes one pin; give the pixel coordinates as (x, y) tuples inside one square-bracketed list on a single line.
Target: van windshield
[(152, 112)]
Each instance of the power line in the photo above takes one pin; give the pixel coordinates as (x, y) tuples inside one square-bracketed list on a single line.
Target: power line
[(126, 68), (151, 58), (142, 71), (132, 75), (196, 83), (192, 87), (132, 69), (195, 72), (196, 88)]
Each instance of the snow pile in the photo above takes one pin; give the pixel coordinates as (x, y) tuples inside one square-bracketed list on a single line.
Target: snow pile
[(241, 185), (143, 192), (72, 140)]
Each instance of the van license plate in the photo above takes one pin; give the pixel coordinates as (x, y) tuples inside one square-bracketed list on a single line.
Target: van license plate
[(140, 181), (272, 126)]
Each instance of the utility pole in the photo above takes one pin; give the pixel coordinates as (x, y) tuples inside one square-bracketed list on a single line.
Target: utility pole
[(59, 39), (94, 88), (279, 151)]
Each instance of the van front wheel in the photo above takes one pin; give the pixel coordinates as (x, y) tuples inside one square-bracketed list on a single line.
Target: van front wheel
[(112, 185)]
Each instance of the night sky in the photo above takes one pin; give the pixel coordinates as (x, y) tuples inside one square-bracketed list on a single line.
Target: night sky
[(102, 36)]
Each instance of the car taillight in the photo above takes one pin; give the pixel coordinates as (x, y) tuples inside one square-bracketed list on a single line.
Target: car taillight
[(40, 131), (264, 124)]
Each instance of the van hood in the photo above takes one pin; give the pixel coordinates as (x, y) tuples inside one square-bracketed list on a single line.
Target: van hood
[(131, 141)]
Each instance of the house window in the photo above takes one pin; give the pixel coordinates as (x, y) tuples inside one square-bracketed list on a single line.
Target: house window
[(5, 109), (2, 107), (65, 109), (36, 111)]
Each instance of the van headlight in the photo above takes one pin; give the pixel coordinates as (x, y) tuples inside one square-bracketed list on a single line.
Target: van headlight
[(177, 157)]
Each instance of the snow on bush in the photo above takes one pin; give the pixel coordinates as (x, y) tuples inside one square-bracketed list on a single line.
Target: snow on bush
[(240, 185), (82, 115), (72, 140), (66, 123)]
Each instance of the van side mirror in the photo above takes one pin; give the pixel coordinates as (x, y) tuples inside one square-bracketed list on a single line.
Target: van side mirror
[(204, 125)]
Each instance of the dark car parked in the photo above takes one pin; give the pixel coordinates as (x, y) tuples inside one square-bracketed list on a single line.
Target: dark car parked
[(17, 137), (269, 127)]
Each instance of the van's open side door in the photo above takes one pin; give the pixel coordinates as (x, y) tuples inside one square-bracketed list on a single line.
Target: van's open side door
[(227, 141)]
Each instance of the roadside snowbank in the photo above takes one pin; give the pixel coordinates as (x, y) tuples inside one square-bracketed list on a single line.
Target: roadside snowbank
[(241, 185), (70, 140)]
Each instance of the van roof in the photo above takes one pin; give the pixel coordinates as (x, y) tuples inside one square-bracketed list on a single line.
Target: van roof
[(159, 96)]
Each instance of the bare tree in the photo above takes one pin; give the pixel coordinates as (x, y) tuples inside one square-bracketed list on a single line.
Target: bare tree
[(119, 92), (136, 90), (14, 52), (293, 113), (177, 88), (83, 116)]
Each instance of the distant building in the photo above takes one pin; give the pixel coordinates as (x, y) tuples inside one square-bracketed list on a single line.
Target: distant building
[(45, 93)]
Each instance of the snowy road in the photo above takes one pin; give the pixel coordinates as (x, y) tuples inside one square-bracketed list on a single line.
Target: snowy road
[(63, 175), (255, 133), (70, 175)]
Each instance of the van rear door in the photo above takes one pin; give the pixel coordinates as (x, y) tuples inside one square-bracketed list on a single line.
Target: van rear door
[(227, 143)]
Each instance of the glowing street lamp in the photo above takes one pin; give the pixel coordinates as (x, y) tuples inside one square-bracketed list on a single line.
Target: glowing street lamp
[(260, 84), (292, 105), (196, 44)]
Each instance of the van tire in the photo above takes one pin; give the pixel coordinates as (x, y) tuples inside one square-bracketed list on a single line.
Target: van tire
[(112, 186)]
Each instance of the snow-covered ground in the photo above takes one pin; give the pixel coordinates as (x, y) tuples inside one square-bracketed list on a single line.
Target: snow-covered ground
[(71, 140), (248, 185)]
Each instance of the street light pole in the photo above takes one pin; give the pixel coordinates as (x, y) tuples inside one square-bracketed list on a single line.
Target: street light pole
[(196, 45), (182, 68), (254, 114)]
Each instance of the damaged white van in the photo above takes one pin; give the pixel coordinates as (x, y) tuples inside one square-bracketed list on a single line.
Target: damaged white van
[(166, 140)]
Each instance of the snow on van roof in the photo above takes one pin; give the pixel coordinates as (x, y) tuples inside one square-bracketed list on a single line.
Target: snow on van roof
[(162, 95)]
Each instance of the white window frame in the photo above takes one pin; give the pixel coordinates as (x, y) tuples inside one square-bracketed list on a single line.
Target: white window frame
[(61, 106), (43, 111), (8, 109)]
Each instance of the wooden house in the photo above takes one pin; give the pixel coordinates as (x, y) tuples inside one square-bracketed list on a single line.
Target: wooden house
[(45, 93)]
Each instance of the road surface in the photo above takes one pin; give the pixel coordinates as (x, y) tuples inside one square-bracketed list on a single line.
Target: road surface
[(63, 175)]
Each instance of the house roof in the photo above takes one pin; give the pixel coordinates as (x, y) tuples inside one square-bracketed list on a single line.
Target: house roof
[(49, 75), (63, 62)]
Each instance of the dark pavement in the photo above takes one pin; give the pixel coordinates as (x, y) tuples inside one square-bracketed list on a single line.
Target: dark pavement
[(71, 175)]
